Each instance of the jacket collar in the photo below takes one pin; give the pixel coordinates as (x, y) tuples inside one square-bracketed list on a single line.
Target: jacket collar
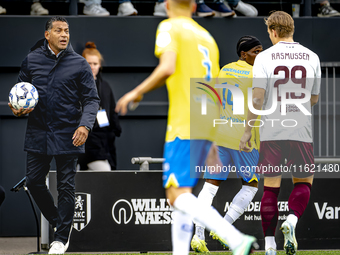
[(43, 45)]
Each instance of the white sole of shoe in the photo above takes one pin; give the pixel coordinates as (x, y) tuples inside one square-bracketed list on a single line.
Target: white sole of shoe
[(97, 15), (225, 15), (290, 243), (205, 15), (127, 14), (38, 14), (159, 14), (328, 16)]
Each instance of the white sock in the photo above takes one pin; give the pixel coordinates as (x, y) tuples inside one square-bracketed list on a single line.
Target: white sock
[(205, 197), (199, 231), (269, 242), (240, 203), (292, 219), (208, 217), (181, 233), (207, 194)]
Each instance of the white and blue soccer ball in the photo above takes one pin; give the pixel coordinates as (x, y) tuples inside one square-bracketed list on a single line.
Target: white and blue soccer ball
[(23, 94)]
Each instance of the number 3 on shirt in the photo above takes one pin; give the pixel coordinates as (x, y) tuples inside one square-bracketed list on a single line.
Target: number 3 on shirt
[(206, 62)]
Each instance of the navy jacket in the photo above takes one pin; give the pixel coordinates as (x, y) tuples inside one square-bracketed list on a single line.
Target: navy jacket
[(68, 99)]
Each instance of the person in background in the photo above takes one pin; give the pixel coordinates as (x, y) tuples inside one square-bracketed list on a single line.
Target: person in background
[(2, 10), (100, 150), (218, 8), (91, 8), (36, 9), (94, 8), (227, 8), (326, 10), (160, 9), (126, 8)]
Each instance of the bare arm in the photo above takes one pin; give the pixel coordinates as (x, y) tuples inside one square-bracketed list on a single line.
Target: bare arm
[(258, 97), (165, 68)]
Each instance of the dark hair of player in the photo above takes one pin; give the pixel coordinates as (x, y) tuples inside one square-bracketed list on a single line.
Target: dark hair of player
[(246, 43)]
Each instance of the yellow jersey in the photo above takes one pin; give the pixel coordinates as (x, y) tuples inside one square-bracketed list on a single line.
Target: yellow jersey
[(239, 74), (197, 57)]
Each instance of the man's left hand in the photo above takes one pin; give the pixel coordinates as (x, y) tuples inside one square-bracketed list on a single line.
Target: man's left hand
[(80, 136)]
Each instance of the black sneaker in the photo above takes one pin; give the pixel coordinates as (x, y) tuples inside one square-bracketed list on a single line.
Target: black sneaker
[(222, 10), (204, 11), (327, 11)]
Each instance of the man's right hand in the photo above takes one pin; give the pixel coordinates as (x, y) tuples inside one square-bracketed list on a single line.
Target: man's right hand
[(21, 111)]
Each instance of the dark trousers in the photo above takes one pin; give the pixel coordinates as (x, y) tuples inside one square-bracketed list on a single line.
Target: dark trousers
[(38, 166)]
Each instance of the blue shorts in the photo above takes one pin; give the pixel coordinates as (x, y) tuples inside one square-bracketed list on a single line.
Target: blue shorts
[(181, 159), (243, 163)]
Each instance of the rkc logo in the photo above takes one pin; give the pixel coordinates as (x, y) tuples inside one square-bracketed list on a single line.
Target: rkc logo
[(82, 211)]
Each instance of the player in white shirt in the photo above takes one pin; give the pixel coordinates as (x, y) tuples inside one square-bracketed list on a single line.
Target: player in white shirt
[(279, 74)]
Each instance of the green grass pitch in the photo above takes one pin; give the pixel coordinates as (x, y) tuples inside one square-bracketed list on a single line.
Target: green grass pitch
[(312, 252)]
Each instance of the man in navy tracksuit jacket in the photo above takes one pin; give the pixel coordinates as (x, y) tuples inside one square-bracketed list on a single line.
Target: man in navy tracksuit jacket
[(59, 125)]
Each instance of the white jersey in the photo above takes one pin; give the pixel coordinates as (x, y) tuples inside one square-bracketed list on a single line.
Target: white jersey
[(284, 67)]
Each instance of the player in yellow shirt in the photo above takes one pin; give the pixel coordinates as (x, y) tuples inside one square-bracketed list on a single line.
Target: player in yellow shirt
[(240, 75), (185, 51)]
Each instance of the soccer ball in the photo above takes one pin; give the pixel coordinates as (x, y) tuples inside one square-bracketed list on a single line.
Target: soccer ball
[(23, 94)]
